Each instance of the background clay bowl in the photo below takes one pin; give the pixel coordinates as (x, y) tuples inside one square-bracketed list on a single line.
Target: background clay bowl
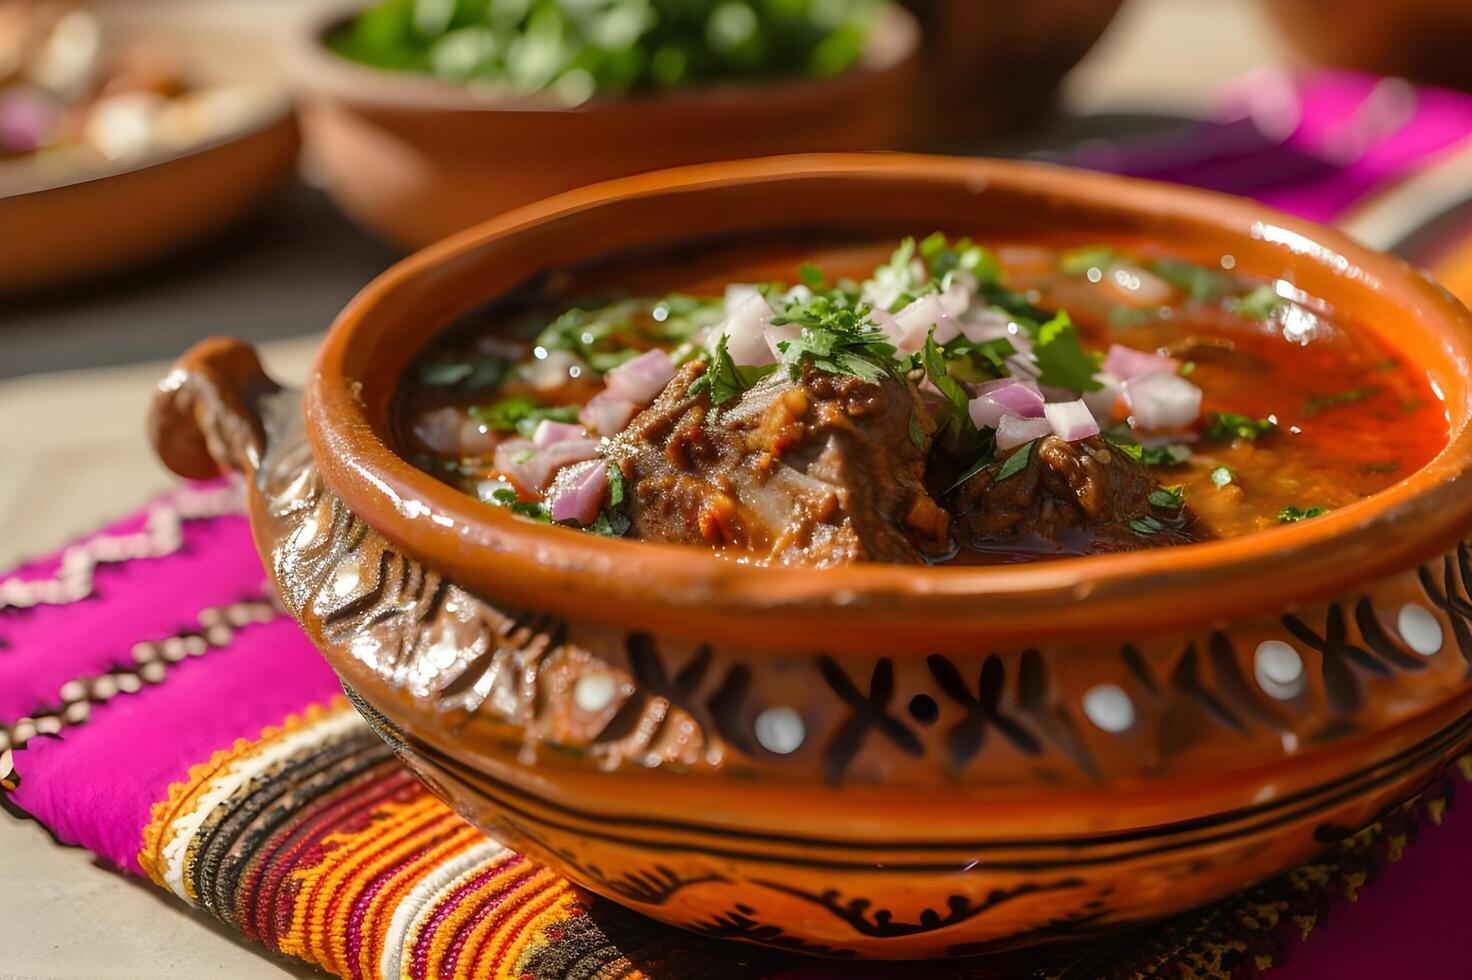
[(991, 65), (874, 760), (1424, 40), (61, 224), (414, 159)]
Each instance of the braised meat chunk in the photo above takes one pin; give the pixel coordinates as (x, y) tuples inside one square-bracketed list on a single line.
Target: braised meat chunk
[(824, 470), (1083, 497)]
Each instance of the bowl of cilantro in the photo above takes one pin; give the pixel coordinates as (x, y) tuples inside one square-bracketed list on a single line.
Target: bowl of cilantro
[(423, 118)]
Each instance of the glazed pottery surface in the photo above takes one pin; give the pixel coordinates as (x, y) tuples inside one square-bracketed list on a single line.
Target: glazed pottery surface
[(63, 223), (413, 158), (873, 760)]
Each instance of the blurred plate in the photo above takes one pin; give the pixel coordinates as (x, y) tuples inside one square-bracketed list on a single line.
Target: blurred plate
[(69, 215)]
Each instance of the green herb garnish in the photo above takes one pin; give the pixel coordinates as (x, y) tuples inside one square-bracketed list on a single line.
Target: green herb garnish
[(1263, 303), (615, 484), (1292, 515), (811, 275), (1146, 525), (576, 49), (611, 524), (724, 378), (1320, 403), (953, 423), (1168, 498), (1129, 316), (468, 371), (1170, 454), (1197, 281), (1015, 463), (519, 413), (1062, 360), (1226, 426), (835, 338), (941, 258), (1078, 261), (1221, 476), (530, 509)]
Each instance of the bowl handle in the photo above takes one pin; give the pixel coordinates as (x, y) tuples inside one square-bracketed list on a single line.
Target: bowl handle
[(208, 414)]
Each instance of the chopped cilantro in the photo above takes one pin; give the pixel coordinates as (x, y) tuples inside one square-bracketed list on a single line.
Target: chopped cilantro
[(610, 524), (1014, 464), (1221, 476), (1260, 304), (1168, 498), (835, 338), (1226, 426), (917, 432), (725, 379), (972, 362), (987, 457), (615, 484), (1170, 454), (471, 371), (519, 413), (1146, 525), (1063, 362), (896, 283), (1078, 261), (606, 336), (953, 423), (1129, 316), (1196, 281), (1187, 369), (811, 275), (530, 509), (1320, 403), (941, 258), (1292, 515)]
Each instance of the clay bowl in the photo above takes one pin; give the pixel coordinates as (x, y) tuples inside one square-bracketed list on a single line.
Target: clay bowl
[(875, 760), (66, 220), (991, 65), (413, 159)]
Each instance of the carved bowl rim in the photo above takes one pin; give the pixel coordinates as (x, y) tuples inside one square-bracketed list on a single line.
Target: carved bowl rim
[(875, 608)]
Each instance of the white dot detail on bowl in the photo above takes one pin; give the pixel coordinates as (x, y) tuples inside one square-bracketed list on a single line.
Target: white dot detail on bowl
[(1278, 669), (780, 730), (1419, 629), (1109, 707), (594, 691), (345, 578)]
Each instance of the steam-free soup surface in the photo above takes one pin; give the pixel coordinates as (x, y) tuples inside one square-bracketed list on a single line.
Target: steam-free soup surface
[(941, 401)]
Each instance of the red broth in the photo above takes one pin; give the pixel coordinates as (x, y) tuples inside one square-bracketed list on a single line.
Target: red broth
[(1351, 417)]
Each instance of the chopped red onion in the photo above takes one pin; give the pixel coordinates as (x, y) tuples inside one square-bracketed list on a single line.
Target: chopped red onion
[(743, 329), (1162, 400), (1071, 421), (987, 325), (738, 293), (912, 324), (1006, 396), (26, 120), (548, 432), (579, 492), (1013, 431), (947, 329), (516, 459), (1103, 402), (532, 468), (553, 370), (955, 299), (607, 413), (1126, 362), (641, 379)]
